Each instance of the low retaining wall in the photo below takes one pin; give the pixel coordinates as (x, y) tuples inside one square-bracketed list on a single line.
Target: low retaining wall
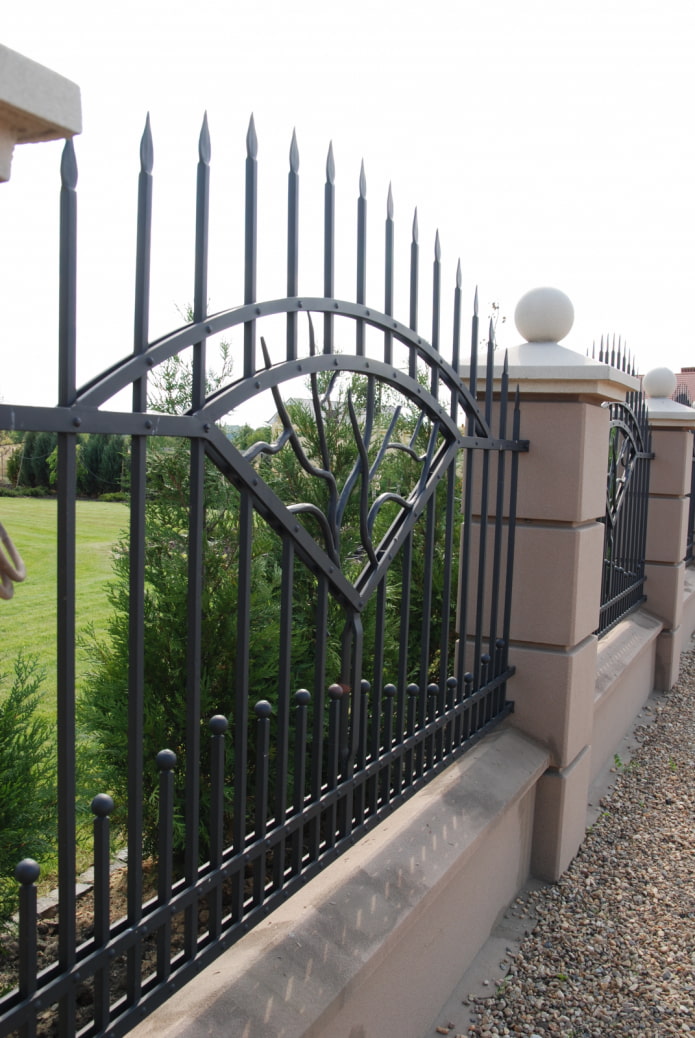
[(382, 936), (624, 680)]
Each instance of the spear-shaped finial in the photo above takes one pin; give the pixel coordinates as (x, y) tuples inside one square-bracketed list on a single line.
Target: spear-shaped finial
[(204, 150), (251, 139)]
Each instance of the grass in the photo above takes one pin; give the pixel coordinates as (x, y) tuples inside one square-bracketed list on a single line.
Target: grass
[(28, 621)]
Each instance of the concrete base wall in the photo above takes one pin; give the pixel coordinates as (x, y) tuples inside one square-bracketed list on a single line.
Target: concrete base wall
[(371, 945), (374, 944), (624, 680)]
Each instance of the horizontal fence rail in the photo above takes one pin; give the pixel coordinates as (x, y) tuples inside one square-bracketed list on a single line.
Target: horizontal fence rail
[(313, 616)]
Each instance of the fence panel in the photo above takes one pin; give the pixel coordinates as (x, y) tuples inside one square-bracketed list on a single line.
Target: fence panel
[(288, 607)]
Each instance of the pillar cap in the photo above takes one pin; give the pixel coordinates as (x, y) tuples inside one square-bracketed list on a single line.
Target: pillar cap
[(542, 367)]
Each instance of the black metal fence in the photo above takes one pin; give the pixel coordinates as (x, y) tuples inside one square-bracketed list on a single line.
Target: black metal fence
[(338, 684), (627, 501)]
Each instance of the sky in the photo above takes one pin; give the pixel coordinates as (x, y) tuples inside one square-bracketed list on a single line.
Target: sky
[(548, 143)]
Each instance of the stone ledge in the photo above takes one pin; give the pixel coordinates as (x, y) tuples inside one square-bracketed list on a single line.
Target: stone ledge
[(376, 942), (36, 104)]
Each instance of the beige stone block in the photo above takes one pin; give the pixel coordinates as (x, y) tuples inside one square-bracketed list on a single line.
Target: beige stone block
[(667, 529), (563, 475), (560, 818), (557, 583), (664, 590), (672, 464), (553, 694), (669, 646), (556, 590)]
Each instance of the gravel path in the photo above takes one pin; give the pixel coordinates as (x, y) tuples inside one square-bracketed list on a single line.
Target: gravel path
[(613, 949)]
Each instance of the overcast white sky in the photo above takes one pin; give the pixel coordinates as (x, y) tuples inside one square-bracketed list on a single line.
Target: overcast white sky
[(549, 142)]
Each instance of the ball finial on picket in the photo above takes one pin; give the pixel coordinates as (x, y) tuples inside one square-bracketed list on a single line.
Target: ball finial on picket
[(544, 315), (659, 383)]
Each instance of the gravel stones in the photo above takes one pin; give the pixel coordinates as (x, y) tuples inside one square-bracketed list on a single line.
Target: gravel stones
[(613, 949)]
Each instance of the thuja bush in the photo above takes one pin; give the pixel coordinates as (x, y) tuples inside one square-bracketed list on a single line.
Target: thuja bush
[(28, 827)]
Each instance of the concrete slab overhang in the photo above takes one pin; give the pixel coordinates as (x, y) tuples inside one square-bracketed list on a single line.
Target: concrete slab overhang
[(36, 104)]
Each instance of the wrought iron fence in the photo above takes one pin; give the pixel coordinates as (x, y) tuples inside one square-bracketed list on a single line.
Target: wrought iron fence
[(345, 573), (627, 500)]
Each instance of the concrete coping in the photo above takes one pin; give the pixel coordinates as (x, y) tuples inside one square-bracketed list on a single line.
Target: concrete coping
[(549, 369), (669, 414), (36, 104)]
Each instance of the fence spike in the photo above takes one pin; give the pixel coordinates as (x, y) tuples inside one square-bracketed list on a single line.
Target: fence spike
[(251, 140), (475, 302), (330, 165), (363, 181), (146, 148), (437, 247), (416, 230), (204, 142), (458, 273), (68, 166), (389, 203), (294, 153)]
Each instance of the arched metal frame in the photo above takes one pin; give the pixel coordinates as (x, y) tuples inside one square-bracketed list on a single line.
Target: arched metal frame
[(361, 744), (627, 496)]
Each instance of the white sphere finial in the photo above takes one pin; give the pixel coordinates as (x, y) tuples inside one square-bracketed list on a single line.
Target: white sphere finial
[(544, 315), (659, 383)]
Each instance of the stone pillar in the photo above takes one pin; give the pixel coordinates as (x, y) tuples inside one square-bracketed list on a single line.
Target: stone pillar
[(672, 427), (36, 104), (558, 561)]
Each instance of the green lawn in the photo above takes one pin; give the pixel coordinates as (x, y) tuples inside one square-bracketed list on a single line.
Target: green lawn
[(28, 621)]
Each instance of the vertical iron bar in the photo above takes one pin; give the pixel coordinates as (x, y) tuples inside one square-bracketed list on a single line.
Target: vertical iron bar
[(335, 695), (263, 711), (66, 532), (241, 693), (166, 762), (329, 247), (102, 806), (511, 525), (404, 638), (467, 527), (250, 244), (386, 773), (292, 244), (196, 533), (414, 276), (412, 759), (388, 276), (361, 754), (482, 543), (428, 552), (136, 625), (26, 873), (361, 258), (436, 308), (317, 740), (499, 513), (218, 726), (302, 698), (283, 705)]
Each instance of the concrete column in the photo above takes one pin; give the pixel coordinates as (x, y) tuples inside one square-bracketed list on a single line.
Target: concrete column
[(558, 561), (672, 427)]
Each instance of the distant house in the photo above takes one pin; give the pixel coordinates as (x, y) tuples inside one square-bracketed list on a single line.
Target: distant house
[(685, 386)]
